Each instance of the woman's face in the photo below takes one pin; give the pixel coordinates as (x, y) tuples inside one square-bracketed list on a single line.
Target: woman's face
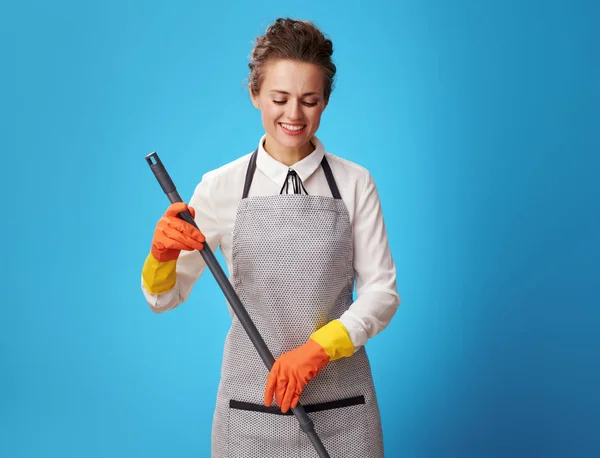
[(291, 101)]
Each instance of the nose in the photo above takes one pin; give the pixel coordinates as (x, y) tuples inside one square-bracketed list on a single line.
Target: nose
[(295, 110)]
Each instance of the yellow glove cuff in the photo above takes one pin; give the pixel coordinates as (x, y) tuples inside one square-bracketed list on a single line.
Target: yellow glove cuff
[(334, 339), (159, 277)]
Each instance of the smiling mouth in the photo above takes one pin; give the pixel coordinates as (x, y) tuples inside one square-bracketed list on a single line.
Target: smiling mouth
[(292, 129)]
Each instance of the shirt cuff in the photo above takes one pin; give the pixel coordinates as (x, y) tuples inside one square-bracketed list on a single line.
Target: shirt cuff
[(369, 315), (164, 301)]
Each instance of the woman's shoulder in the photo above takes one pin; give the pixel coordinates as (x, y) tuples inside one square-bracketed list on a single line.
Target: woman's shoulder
[(350, 170), (225, 179), (228, 170), (342, 162)]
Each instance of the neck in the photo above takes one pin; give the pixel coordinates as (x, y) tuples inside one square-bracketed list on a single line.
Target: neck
[(285, 155)]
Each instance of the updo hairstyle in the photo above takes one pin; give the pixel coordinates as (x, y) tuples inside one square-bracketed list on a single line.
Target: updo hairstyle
[(294, 40)]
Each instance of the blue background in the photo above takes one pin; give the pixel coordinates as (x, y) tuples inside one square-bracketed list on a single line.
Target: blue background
[(480, 123)]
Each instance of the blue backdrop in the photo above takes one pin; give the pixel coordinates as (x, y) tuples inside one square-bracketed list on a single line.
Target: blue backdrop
[(480, 123)]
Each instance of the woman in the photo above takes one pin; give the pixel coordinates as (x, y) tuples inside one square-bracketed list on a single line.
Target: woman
[(297, 227)]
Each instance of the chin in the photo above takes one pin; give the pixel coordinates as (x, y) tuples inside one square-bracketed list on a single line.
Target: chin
[(293, 141)]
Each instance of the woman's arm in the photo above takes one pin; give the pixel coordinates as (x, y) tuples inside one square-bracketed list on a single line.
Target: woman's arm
[(190, 264), (377, 297)]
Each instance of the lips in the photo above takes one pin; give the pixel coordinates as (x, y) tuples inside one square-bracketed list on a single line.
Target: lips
[(292, 129)]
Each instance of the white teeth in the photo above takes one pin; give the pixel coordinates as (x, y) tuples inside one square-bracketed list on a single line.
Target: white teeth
[(288, 127)]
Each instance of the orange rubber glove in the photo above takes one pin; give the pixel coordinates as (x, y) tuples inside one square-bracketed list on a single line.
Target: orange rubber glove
[(294, 369), (171, 236)]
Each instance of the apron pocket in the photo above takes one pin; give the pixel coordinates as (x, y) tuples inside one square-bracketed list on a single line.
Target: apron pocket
[(341, 425), (259, 431)]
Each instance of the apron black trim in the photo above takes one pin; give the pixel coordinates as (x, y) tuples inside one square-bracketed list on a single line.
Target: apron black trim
[(324, 164), (240, 405), (250, 173), (332, 185)]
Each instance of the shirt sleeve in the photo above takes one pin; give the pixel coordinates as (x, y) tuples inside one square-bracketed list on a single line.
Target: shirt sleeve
[(376, 294), (190, 264)]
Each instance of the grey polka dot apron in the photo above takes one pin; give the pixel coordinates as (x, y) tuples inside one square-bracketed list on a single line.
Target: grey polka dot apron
[(292, 269)]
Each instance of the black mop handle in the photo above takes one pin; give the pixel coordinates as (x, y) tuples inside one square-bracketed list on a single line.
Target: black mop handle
[(171, 191)]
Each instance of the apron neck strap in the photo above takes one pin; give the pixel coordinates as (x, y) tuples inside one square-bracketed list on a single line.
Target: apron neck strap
[(324, 164), (330, 180), (250, 173)]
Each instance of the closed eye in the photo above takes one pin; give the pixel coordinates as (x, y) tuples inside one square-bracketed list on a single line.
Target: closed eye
[(308, 104)]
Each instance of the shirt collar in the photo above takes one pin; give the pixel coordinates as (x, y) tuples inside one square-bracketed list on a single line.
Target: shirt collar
[(277, 171)]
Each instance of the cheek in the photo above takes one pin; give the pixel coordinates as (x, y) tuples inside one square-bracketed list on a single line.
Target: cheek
[(315, 116), (271, 112)]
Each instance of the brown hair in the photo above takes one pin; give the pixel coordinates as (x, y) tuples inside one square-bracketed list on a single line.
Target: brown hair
[(295, 40)]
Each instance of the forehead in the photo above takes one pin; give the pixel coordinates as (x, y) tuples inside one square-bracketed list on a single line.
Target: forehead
[(293, 77)]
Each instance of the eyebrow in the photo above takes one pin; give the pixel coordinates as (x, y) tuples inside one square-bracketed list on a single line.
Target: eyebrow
[(287, 93)]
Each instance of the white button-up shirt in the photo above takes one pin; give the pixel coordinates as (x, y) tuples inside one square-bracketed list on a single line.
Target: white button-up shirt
[(216, 199)]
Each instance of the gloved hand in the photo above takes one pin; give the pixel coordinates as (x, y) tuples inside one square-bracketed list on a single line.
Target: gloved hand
[(292, 371), (171, 236)]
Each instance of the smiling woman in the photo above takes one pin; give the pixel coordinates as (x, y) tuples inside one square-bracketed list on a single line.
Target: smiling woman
[(294, 258), (291, 80), (291, 99)]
